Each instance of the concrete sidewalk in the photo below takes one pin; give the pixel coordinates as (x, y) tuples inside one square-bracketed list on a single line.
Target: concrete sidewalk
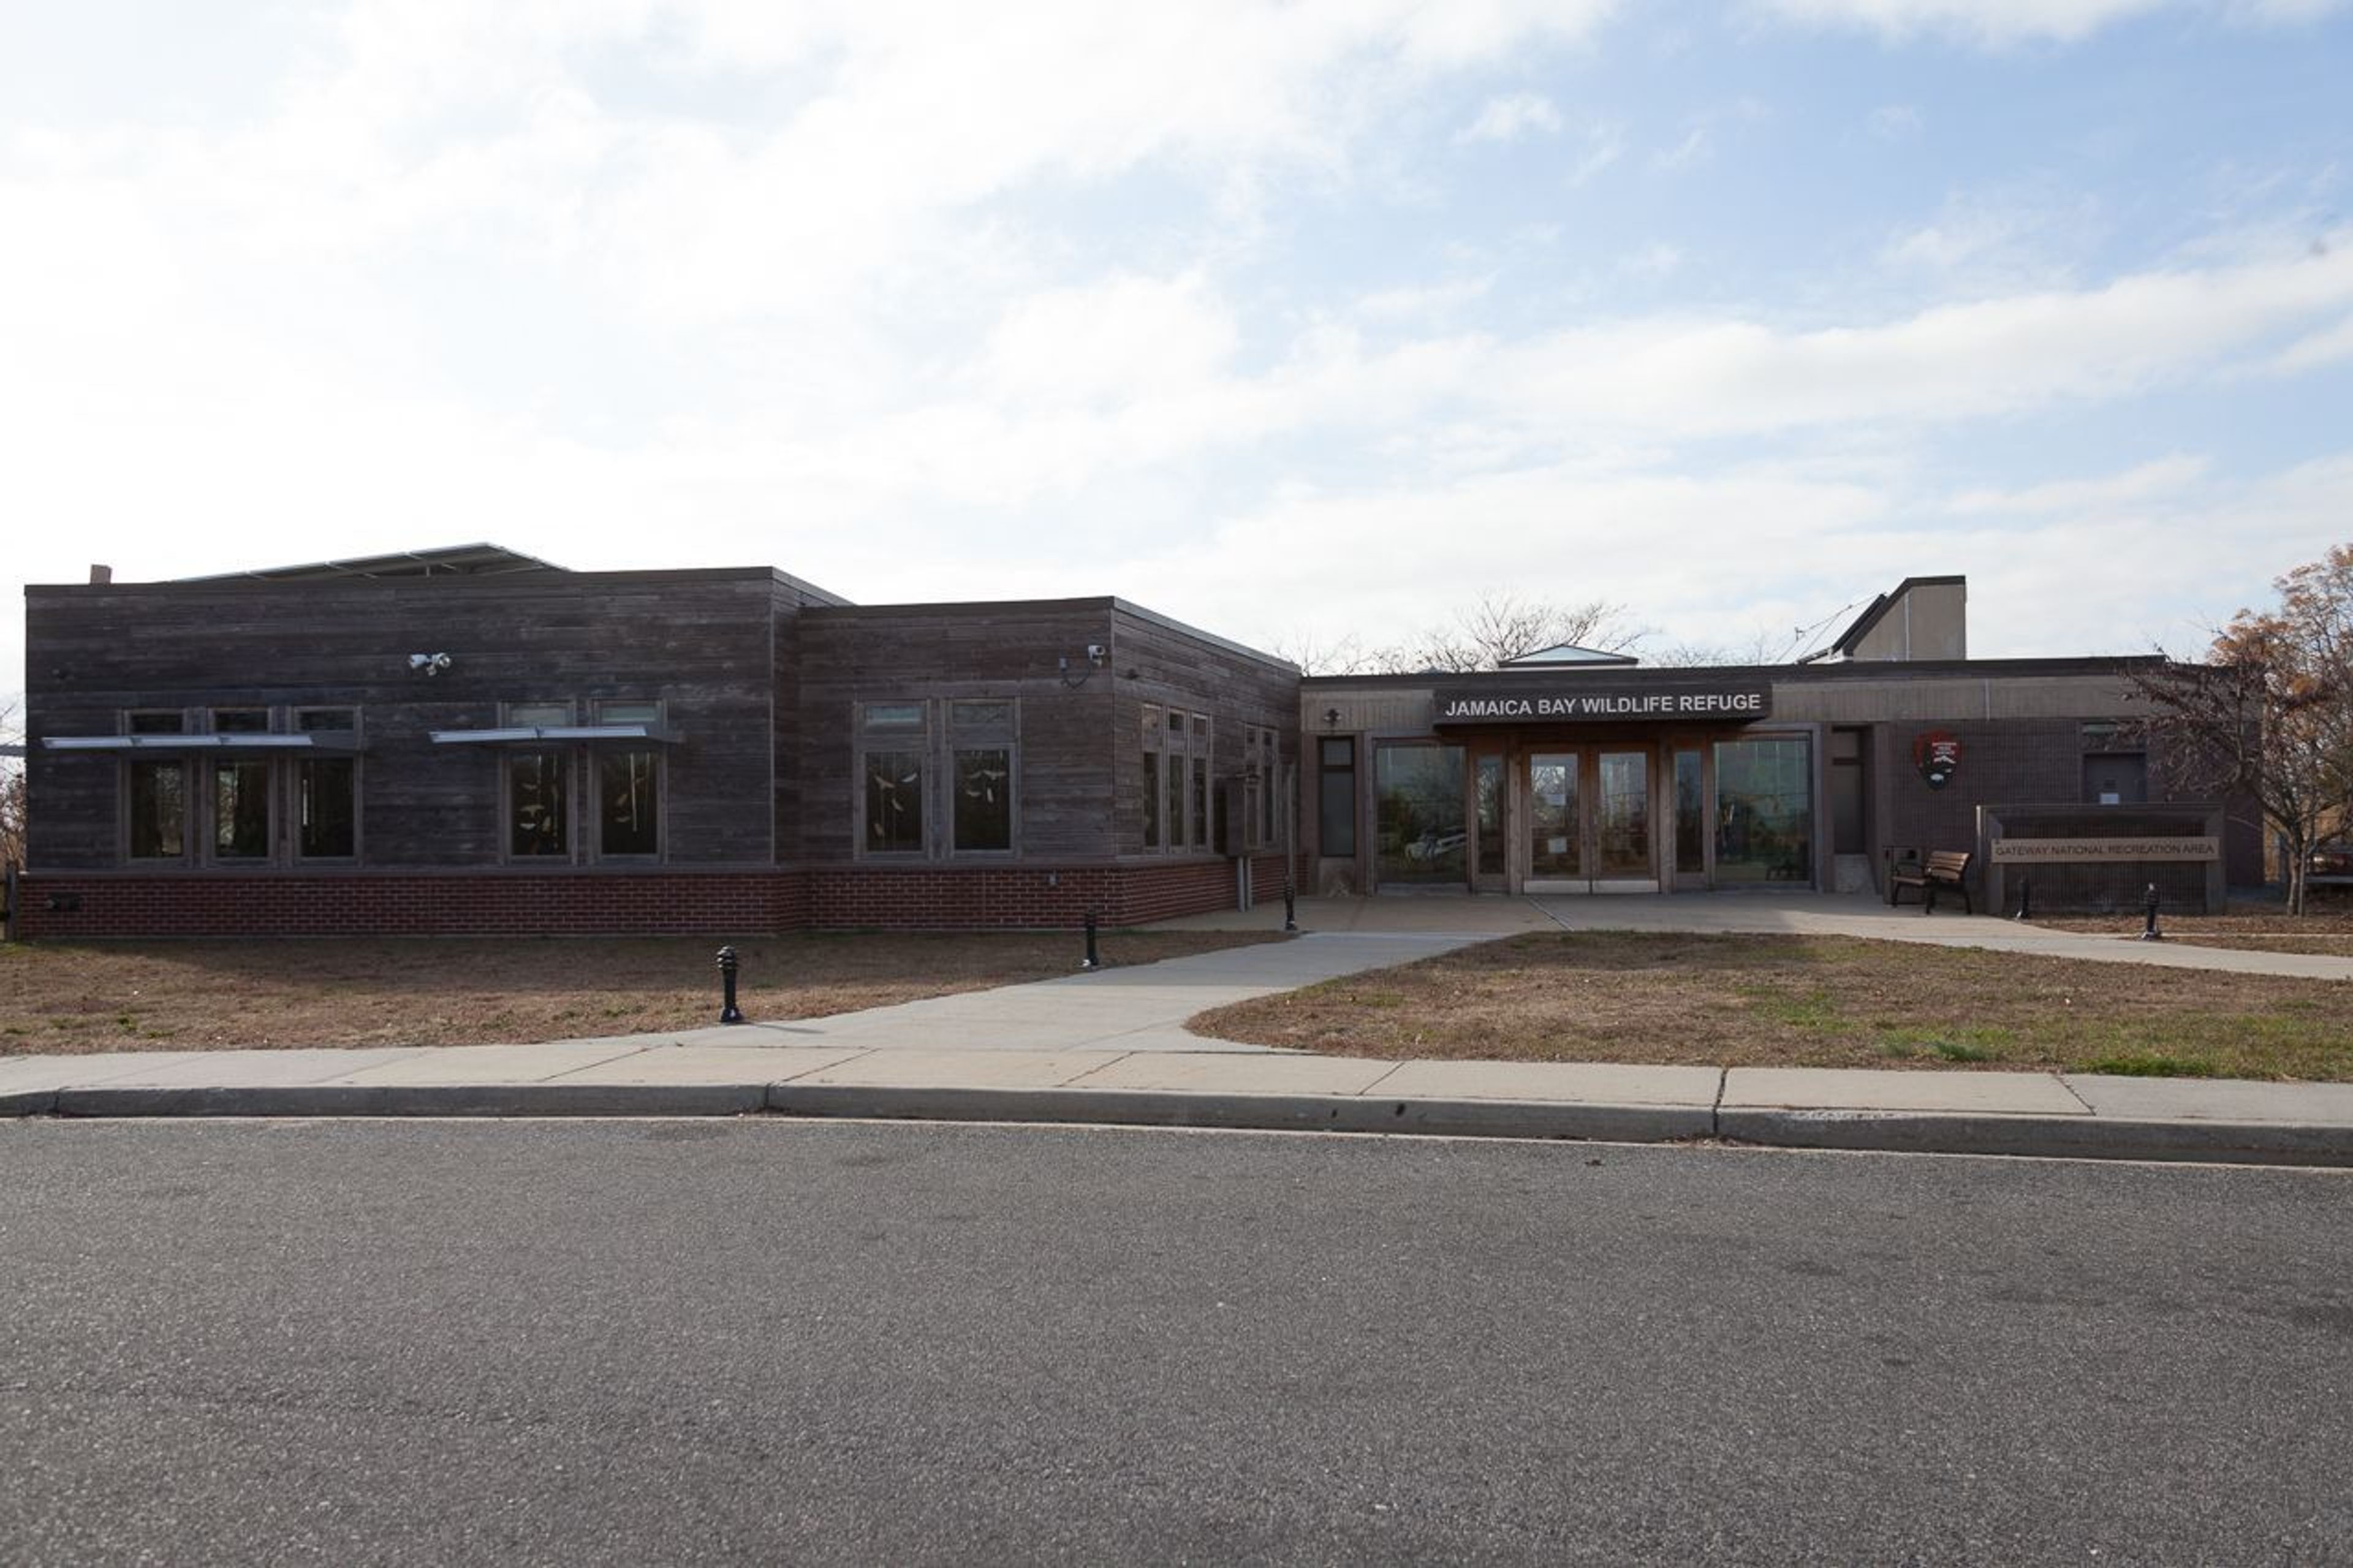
[(2060, 1115), (1760, 912)]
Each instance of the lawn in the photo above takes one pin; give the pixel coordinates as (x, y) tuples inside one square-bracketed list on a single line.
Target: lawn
[(2324, 927), (1792, 1001), (158, 995)]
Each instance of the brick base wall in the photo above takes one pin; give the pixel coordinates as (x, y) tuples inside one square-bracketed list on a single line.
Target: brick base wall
[(64, 907), (661, 904)]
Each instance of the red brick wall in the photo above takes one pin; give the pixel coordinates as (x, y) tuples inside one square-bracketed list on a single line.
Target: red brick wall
[(655, 904), (643, 903), (1009, 897)]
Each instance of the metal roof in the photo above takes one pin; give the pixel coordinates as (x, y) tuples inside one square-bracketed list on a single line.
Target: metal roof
[(1567, 653), (447, 561)]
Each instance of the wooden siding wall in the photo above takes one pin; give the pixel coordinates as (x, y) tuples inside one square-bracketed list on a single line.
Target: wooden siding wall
[(904, 653), (1159, 662), (699, 641)]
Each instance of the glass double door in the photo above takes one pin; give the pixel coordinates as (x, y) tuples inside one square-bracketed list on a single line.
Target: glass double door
[(1588, 815)]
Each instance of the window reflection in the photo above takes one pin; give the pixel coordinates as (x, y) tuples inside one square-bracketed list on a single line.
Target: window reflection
[(1763, 810)]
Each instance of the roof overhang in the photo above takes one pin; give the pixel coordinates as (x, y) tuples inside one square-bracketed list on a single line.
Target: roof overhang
[(211, 745), (544, 734)]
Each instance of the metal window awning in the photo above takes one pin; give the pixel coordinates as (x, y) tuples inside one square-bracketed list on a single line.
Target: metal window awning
[(544, 734), (250, 744)]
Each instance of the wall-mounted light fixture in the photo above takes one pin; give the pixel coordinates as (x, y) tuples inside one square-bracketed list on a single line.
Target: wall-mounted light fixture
[(1331, 717)]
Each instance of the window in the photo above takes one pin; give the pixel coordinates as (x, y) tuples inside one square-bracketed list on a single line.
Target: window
[(539, 793), (1177, 748), (1262, 813), (960, 755), (980, 738), (1335, 796), (240, 791), (1150, 776), (326, 820), (628, 786), (1201, 781), (538, 819), (155, 795)]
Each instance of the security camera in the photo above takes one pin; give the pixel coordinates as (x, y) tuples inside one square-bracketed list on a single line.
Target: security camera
[(1097, 653), (429, 663)]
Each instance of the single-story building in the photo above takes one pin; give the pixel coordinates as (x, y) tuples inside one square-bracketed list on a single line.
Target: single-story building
[(470, 740)]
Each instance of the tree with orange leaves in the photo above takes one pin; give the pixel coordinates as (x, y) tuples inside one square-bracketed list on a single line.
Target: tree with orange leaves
[(2268, 718)]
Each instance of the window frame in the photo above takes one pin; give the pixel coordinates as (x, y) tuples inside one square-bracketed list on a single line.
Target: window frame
[(217, 769), (299, 717), (145, 721), (947, 730), (625, 711), (524, 714)]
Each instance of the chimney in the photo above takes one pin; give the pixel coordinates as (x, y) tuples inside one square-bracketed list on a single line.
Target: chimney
[(101, 575)]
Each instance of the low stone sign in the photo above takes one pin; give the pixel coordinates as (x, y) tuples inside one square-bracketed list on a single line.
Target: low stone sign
[(2081, 851)]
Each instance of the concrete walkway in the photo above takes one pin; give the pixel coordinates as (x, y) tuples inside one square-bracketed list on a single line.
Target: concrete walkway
[(1110, 1047), (1762, 912)]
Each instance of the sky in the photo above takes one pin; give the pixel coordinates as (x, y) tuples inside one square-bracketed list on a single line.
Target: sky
[(1303, 323)]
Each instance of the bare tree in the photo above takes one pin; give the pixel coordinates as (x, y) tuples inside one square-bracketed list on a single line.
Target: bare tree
[(1758, 647), (1500, 627), (2269, 716), (1315, 656), (12, 791)]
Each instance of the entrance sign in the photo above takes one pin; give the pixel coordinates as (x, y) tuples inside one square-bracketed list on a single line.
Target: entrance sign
[(2080, 851), (1599, 701), (1937, 754)]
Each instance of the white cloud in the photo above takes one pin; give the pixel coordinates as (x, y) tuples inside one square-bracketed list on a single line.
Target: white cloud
[(2330, 345), (1998, 22), (1510, 118)]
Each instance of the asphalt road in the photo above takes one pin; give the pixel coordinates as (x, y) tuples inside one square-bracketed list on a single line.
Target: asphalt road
[(703, 1342)]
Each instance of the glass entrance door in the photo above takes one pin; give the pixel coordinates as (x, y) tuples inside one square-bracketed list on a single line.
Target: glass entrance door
[(1588, 823), (1555, 829), (1622, 824)]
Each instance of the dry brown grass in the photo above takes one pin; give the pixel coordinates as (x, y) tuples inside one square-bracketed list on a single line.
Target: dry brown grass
[(1786, 1001), (2324, 927), (113, 996)]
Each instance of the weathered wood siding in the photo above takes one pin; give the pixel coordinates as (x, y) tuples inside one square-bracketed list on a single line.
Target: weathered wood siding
[(702, 642), (1161, 661), (904, 653)]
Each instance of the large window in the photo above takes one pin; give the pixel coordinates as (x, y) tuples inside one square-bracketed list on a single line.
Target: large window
[(1763, 810), (155, 795), (980, 759), (539, 787), (240, 791), (628, 785), (1177, 748), (229, 807), (326, 791), (1263, 787), (1420, 815), (961, 753)]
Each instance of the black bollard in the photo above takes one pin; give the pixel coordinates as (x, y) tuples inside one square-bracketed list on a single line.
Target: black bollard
[(1290, 903), (2025, 899), (1094, 960), (2148, 931), (728, 1011)]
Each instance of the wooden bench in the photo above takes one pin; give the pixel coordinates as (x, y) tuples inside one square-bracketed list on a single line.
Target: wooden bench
[(1943, 868)]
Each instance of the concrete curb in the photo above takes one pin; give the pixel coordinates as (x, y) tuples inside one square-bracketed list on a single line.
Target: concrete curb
[(1257, 1112), (421, 1100), (1918, 1132), (2045, 1137)]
